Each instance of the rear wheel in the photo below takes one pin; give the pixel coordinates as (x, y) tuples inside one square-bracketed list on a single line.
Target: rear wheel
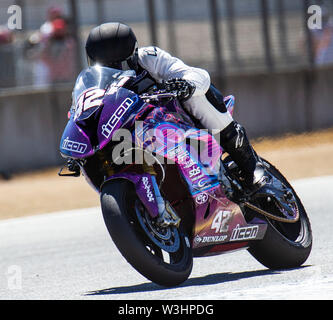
[(285, 245), (163, 255)]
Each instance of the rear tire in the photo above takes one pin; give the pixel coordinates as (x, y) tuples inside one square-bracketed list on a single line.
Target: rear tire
[(118, 201), (285, 245)]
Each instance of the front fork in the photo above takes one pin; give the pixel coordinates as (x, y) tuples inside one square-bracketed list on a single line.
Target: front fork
[(166, 214)]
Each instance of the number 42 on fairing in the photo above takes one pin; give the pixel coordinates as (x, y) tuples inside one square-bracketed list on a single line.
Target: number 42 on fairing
[(220, 222)]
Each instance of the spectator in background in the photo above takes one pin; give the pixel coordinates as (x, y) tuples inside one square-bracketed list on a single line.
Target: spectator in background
[(52, 50), (323, 40), (32, 51), (58, 52), (53, 13), (6, 35), (7, 58)]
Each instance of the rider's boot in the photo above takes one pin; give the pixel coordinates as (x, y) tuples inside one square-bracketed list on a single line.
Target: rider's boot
[(233, 140)]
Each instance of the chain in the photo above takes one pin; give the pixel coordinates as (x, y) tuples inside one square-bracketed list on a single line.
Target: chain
[(271, 216)]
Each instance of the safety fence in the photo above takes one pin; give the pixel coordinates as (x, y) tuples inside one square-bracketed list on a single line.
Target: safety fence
[(225, 37)]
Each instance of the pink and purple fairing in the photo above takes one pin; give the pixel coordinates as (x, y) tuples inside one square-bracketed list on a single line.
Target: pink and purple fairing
[(167, 131)]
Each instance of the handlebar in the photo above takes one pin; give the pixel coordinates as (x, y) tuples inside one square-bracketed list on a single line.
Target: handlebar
[(158, 95)]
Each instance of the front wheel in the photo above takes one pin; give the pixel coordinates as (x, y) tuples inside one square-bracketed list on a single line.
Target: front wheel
[(163, 255), (285, 245)]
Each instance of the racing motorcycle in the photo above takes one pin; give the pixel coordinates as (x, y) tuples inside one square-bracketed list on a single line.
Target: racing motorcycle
[(168, 191)]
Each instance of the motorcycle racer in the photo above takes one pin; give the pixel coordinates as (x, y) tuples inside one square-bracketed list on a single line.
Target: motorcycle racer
[(115, 45)]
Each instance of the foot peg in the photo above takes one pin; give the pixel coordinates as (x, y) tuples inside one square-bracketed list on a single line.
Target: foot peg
[(259, 179)]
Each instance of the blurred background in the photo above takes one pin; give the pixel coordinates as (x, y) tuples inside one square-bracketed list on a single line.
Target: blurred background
[(260, 51)]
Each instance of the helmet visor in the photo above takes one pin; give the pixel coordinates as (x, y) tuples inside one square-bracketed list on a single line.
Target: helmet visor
[(130, 63)]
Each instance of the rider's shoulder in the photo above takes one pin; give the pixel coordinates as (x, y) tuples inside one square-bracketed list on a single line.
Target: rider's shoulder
[(150, 51)]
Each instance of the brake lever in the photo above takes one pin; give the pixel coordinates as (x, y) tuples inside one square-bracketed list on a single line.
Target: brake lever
[(74, 174), (75, 169)]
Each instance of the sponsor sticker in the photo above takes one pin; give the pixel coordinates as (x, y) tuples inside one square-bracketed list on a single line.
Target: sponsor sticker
[(201, 198), (244, 233), (214, 238), (148, 187), (210, 239), (114, 120), (74, 146)]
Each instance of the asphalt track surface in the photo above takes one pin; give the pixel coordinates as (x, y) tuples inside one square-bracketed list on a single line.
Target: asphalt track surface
[(70, 255)]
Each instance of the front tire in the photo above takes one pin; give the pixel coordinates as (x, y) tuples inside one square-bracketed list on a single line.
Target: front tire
[(120, 207)]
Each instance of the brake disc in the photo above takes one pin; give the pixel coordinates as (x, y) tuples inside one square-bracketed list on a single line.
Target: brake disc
[(166, 238)]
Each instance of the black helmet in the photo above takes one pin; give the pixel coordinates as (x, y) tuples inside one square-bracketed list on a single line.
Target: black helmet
[(112, 45)]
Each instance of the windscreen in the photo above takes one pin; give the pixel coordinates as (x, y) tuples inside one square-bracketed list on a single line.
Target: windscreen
[(91, 85)]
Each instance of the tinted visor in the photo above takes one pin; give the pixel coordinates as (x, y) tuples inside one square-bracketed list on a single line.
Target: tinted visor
[(129, 64), (115, 65)]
